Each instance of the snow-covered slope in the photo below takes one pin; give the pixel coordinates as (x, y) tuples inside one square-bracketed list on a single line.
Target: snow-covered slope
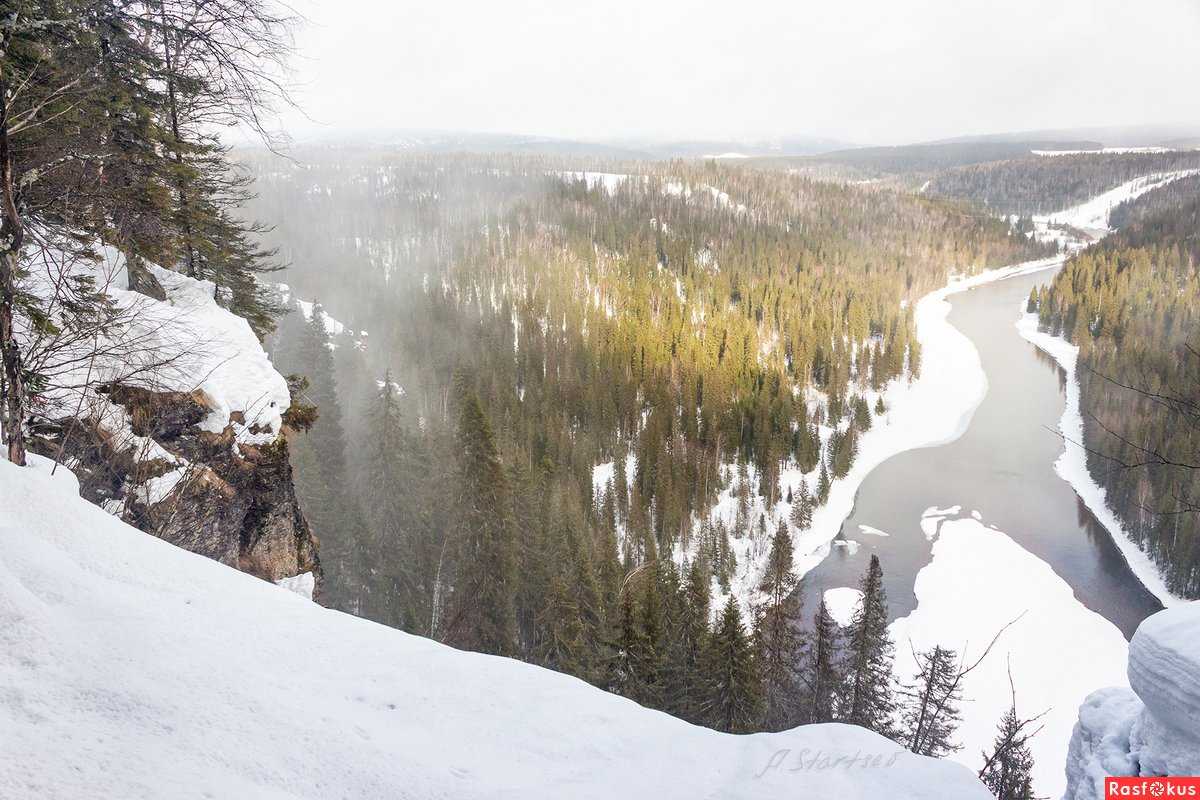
[(1092, 216), (133, 669), (185, 343), (1151, 729)]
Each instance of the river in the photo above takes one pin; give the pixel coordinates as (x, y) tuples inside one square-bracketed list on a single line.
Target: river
[(1002, 467)]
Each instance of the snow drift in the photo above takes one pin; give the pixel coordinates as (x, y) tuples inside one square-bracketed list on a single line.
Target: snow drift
[(130, 668), (1150, 729)]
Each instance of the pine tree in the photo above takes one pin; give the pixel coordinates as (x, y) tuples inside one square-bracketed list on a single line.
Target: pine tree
[(779, 645), (930, 715), (734, 697), (869, 696), (483, 615), (821, 672), (1008, 769)]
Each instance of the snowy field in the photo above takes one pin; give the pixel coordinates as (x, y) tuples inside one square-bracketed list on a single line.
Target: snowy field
[(1058, 651), (133, 669)]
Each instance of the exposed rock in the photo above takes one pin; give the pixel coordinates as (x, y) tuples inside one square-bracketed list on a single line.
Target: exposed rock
[(199, 490)]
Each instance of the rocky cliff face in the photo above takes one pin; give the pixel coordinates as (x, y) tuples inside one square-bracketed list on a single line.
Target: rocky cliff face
[(232, 502), (174, 423), (1152, 729)]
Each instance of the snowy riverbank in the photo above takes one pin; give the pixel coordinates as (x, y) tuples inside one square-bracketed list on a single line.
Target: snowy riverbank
[(934, 409), (980, 580), (1071, 466)]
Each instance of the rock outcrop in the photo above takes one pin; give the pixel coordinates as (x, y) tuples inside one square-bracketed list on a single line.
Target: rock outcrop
[(172, 418), (232, 502), (1153, 728)]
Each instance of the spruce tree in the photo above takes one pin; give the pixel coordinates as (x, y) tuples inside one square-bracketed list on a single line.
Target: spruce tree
[(734, 701), (802, 508), (779, 644), (650, 652), (822, 675), (1008, 769), (823, 485), (869, 692), (608, 558), (483, 606), (930, 715), (688, 679)]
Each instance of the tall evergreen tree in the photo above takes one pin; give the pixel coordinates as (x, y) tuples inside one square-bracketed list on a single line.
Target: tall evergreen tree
[(869, 687), (734, 702), (1008, 769), (779, 643), (483, 605), (822, 675), (802, 508), (688, 697), (930, 714)]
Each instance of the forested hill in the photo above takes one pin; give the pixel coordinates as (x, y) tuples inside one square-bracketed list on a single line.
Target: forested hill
[(1045, 184), (698, 332), (1132, 305)]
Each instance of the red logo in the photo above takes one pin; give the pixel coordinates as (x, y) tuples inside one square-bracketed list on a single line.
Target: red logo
[(1154, 788)]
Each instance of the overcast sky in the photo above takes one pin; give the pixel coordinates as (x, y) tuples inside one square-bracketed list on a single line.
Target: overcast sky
[(869, 71)]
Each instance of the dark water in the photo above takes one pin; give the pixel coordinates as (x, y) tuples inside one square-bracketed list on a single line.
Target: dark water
[(1003, 466)]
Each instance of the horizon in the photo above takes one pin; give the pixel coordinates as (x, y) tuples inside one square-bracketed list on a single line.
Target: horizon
[(866, 72)]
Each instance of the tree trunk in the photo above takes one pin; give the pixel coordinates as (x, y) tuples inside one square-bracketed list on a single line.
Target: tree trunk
[(176, 151), (12, 236)]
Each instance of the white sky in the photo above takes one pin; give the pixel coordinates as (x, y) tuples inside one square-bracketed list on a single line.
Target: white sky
[(871, 71)]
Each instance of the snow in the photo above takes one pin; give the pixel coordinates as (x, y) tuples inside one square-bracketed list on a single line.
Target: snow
[(727, 155), (1106, 150), (980, 580), (869, 531), (231, 369), (303, 584), (187, 343), (1149, 729), (841, 603), (332, 326), (1100, 743), (1071, 465), (1093, 214), (610, 181), (134, 669), (155, 490), (849, 545), (1164, 668)]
